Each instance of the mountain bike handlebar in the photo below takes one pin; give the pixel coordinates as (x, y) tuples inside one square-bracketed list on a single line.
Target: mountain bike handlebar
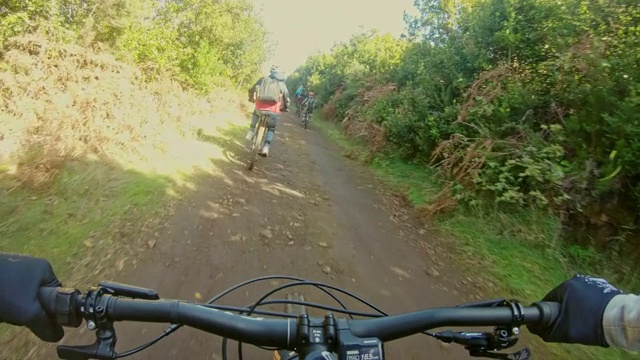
[(109, 303), (394, 327)]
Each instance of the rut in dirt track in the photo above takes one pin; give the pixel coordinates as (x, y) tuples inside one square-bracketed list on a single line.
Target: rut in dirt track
[(305, 211)]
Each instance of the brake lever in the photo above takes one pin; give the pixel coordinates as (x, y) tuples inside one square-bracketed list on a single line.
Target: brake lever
[(468, 339), (102, 348), (522, 354), (130, 291), (479, 344), (484, 303)]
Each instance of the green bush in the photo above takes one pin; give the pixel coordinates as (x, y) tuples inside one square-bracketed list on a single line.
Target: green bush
[(203, 44), (551, 86)]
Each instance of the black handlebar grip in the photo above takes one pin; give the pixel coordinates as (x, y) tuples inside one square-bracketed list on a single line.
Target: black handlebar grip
[(46, 297), (549, 312), (61, 304)]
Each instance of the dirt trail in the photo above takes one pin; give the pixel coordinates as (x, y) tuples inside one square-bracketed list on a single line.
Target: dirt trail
[(326, 221)]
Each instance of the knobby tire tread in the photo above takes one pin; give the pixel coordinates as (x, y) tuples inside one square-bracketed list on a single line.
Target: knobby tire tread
[(258, 143)]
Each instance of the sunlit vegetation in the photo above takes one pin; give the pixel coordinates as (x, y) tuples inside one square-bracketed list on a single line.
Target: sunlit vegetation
[(103, 107), (525, 117)]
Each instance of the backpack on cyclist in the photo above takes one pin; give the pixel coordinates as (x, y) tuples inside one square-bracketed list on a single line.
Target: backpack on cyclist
[(269, 90)]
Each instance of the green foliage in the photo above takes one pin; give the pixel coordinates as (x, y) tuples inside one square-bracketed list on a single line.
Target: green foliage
[(18, 16), (102, 21), (366, 57), (154, 48), (516, 248), (550, 88), (224, 41), (205, 44), (522, 178)]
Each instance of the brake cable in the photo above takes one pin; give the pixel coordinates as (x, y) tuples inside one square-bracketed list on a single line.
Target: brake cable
[(318, 285)]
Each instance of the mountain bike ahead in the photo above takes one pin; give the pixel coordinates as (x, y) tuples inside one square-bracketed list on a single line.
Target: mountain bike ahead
[(299, 109), (303, 113), (305, 338), (306, 117), (258, 140)]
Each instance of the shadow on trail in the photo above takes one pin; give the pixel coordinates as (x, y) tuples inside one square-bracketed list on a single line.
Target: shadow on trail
[(236, 225), (298, 213), (217, 217), (228, 140), (70, 221), (94, 219)]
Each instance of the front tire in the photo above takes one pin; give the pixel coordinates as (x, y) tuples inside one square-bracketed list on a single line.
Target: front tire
[(258, 142)]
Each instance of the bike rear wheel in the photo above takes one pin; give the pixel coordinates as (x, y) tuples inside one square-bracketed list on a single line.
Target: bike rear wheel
[(258, 142)]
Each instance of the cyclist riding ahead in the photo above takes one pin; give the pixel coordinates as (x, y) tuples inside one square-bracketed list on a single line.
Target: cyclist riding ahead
[(581, 310), (300, 94), (272, 95), (309, 104)]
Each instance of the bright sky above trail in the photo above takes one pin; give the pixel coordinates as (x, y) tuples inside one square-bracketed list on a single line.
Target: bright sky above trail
[(304, 27)]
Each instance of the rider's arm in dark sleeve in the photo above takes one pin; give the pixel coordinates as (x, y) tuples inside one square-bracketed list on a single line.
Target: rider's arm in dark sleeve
[(285, 94), (252, 90)]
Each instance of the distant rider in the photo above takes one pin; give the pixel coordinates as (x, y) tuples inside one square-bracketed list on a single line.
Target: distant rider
[(309, 104), (299, 95), (272, 95)]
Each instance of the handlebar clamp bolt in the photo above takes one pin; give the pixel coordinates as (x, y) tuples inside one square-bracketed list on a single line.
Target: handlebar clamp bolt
[(91, 325)]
